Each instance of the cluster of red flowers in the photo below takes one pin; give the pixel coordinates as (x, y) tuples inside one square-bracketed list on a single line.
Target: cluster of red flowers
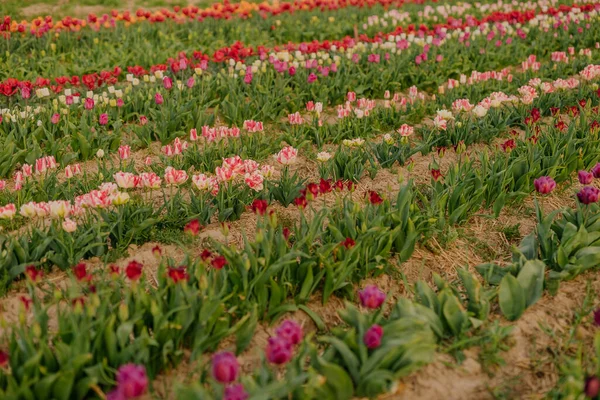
[(216, 261), (313, 190), (221, 10), (239, 52), (92, 81)]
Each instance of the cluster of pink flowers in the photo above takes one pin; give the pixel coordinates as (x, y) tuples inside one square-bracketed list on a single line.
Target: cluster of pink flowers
[(528, 94), (41, 165), (107, 195), (590, 72), (72, 169), (531, 64), (287, 155), (405, 130), (295, 119), (462, 105), (253, 126), (561, 56), (234, 168), (8, 211), (215, 133), (176, 148), (174, 176), (317, 107)]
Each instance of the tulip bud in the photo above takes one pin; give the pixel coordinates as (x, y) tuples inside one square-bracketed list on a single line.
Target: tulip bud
[(37, 330), (123, 312), (259, 236)]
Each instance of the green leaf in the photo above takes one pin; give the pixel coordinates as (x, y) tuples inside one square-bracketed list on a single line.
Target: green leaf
[(499, 204), (531, 279), (316, 319), (337, 379), (511, 297), (455, 315), (246, 331)]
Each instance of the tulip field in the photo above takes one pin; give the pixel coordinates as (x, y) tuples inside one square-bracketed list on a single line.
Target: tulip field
[(317, 199)]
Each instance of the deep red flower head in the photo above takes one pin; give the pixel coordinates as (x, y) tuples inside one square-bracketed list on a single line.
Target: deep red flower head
[(348, 243), (259, 206), (157, 251), (509, 145), (205, 255), (178, 274), (134, 270), (80, 273), (339, 185), (4, 358), (286, 233), (325, 186), (34, 274), (436, 174), (114, 270), (218, 262), (193, 227), (313, 189), (301, 202), (78, 300), (26, 301), (374, 197)]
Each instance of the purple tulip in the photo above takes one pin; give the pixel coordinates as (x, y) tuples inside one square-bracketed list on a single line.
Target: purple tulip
[(371, 297), (372, 337), (588, 195), (592, 387), (132, 381), (596, 170), (225, 367), (279, 350), (544, 184), (585, 178), (597, 317), (235, 392), (115, 395), (291, 331)]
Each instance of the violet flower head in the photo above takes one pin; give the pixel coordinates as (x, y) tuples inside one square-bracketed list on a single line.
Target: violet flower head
[(291, 331), (371, 297), (588, 195), (279, 350), (235, 392), (585, 178), (225, 367), (132, 381), (596, 170), (372, 337), (544, 184)]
